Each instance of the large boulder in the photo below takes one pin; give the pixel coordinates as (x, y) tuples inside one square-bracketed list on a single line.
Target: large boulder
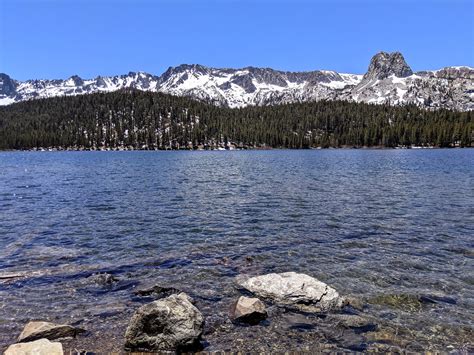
[(37, 347), (249, 310), (297, 290), (172, 323), (38, 330)]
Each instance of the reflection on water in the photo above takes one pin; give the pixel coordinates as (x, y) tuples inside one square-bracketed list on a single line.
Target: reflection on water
[(370, 223)]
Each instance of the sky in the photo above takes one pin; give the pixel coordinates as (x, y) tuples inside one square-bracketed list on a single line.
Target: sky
[(56, 39)]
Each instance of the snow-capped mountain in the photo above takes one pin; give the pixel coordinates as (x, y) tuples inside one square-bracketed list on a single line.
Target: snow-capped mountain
[(388, 80), (13, 91), (253, 86)]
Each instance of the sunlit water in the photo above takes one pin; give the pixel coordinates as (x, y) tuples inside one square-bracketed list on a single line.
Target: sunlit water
[(367, 222)]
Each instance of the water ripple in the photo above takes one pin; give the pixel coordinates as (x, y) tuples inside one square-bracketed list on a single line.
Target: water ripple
[(368, 222)]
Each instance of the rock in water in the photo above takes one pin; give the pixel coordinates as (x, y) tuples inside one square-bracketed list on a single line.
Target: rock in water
[(358, 323), (171, 323), (157, 291), (298, 290), (103, 279), (37, 347), (37, 330), (249, 310)]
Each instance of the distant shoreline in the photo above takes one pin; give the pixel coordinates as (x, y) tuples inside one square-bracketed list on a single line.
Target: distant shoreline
[(43, 150)]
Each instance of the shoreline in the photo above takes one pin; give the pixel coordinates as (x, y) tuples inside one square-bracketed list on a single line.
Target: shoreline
[(354, 323), (356, 318), (60, 149)]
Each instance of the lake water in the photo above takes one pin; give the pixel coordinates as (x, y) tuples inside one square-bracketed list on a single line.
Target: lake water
[(393, 228)]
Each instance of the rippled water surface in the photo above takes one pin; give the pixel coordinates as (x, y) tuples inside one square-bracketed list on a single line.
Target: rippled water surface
[(391, 228)]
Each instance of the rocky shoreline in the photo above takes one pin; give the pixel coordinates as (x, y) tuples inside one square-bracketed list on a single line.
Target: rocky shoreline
[(172, 322)]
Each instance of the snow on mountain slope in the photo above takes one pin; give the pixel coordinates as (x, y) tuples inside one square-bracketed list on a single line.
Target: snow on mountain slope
[(32, 89), (388, 80), (251, 86)]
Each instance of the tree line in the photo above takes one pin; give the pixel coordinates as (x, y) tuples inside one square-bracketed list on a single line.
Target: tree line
[(146, 120)]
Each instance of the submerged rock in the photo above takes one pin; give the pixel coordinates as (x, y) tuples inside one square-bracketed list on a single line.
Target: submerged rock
[(437, 298), (171, 323), (298, 290), (356, 303), (249, 310), (37, 347), (388, 337), (157, 291), (409, 302), (355, 322), (38, 330), (103, 279)]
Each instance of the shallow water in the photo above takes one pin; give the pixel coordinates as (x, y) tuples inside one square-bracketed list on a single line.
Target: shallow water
[(371, 223)]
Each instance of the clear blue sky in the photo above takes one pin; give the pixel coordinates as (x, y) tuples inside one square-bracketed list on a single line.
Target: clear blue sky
[(56, 39)]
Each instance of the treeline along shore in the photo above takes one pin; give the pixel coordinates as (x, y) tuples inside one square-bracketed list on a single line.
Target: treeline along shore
[(132, 119)]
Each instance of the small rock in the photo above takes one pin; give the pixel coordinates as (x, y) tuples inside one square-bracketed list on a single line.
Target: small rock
[(298, 290), (249, 310), (357, 323), (226, 261), (388, 336), (355, 303), (409, 302), (293, 321), (37, 330), (157, 291), (38, 347), (434, 298), (171, 323), (103, 279)]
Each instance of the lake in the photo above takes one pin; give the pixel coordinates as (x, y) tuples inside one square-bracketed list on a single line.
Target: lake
[(394, 228)]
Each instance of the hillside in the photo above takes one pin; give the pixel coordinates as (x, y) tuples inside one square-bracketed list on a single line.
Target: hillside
[(133, 119)]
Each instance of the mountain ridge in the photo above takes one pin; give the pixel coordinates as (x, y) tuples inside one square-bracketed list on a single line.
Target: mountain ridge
[(389, 79)]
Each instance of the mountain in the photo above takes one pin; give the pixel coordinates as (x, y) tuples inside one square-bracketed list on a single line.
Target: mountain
[(389, 79)]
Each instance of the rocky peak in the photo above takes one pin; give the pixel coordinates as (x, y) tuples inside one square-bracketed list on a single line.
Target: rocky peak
[(388, 80), (385, 64), (183, 71), (7, 85), (77, 80)]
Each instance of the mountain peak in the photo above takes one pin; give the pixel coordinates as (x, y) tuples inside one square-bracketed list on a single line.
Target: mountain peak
[(7, 85), (385, 64), (388, 80), (77, 80)]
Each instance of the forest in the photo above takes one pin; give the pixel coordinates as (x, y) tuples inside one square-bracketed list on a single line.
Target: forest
[(132, 119)]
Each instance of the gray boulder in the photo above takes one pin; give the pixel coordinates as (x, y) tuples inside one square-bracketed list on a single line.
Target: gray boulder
[(38, 330), (37, 347), (297, 290), (172, 323), (249, 310)]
